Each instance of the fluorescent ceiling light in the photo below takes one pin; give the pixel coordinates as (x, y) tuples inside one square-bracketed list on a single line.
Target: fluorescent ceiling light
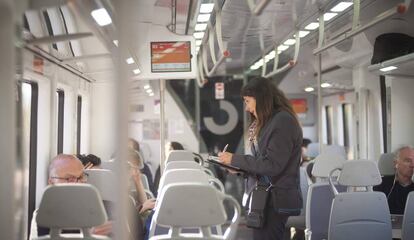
[(151, 94), (198, 42), (130, 60), (386, 69), (146, 86), (341, 6), (259, 63), (289, 42), (312, 26), (326, 85), (254, 67), (136, 71), (203, 17), (149, 90), (101, 16), (115, 42), (328, 16), (198, 35), (302, 34), (271, 55), (206, 7), (200, 26), (309, 89), (282, 48)]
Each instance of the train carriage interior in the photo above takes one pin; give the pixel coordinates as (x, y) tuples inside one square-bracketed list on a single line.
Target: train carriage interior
[(112, 113)]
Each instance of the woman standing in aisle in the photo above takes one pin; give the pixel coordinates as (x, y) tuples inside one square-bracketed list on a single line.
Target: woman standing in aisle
[(275, 138)]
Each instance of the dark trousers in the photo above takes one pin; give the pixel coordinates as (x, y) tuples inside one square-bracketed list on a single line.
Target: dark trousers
[(273, 228)]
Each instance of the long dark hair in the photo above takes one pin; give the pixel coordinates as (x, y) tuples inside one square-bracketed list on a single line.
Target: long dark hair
[(269, 98)]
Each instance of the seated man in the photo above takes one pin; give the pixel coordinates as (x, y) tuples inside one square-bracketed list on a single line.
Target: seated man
[(66, 169), (397, 187)]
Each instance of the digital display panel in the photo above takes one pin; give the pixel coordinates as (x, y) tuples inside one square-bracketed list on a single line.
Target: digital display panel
[(170, 56)]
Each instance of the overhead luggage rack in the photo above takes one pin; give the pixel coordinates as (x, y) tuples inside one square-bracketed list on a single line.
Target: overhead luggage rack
[(400, 66)]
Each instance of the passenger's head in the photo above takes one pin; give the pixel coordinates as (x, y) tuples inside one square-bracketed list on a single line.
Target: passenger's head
[(133, 144), (305, 142), (262, 98), (66, 168), (169, 146), (404, 161), (90, 160), (134, 159)]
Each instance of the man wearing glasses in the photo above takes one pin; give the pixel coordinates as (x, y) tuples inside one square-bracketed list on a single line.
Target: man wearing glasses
[(66, 168)]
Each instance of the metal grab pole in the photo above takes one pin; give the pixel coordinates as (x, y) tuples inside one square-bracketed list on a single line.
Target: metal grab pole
[(319, 81), (8, 207), (162, 124)]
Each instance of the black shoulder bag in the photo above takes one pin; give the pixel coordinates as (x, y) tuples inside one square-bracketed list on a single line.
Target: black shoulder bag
[(256, 214)]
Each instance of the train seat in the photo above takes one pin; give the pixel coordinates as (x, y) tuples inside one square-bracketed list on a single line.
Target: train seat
[(408, 219), (71, 206), (104, 181), (109, 165), (313, 150), (180, 155), (359, 214), (193, 205), (188, 175), (320, 197), (299, 222), (334, 149), (187, 165), (386, 164)]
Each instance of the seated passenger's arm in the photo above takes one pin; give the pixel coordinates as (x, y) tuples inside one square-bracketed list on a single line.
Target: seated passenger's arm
[(141, 195)]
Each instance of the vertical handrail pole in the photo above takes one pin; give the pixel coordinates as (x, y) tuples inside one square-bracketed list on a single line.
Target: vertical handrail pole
[(162, 123), (7, 119), (319, 81)]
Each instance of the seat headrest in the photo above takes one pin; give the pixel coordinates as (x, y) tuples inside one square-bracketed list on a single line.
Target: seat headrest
[(324, 163), (180, 155), (313, 150), (110, 165), (190, 205), (104, 180), (334, 150), (73, 205), (386, 164), (182, 164), (359, 173), (183, 176)]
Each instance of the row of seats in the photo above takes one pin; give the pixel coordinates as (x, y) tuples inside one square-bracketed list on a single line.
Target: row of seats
[(191, 202), (354, 211)]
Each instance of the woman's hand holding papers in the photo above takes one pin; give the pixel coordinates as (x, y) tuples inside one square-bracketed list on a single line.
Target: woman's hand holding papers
[(225, 158)]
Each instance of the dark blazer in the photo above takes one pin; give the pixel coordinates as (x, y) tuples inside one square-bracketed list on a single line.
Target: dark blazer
[(278, 156)]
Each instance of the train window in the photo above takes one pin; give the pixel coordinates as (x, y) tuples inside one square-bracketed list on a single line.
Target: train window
[(28, 116), (329, 120), (60, 95), (49, 27), (79, 123), (347, 127)]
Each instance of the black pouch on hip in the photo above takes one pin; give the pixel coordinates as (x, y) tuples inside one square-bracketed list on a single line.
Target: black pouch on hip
[(256, 214)]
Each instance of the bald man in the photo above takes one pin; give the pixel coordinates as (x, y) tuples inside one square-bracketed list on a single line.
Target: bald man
[(397, 187), (66, 168)]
